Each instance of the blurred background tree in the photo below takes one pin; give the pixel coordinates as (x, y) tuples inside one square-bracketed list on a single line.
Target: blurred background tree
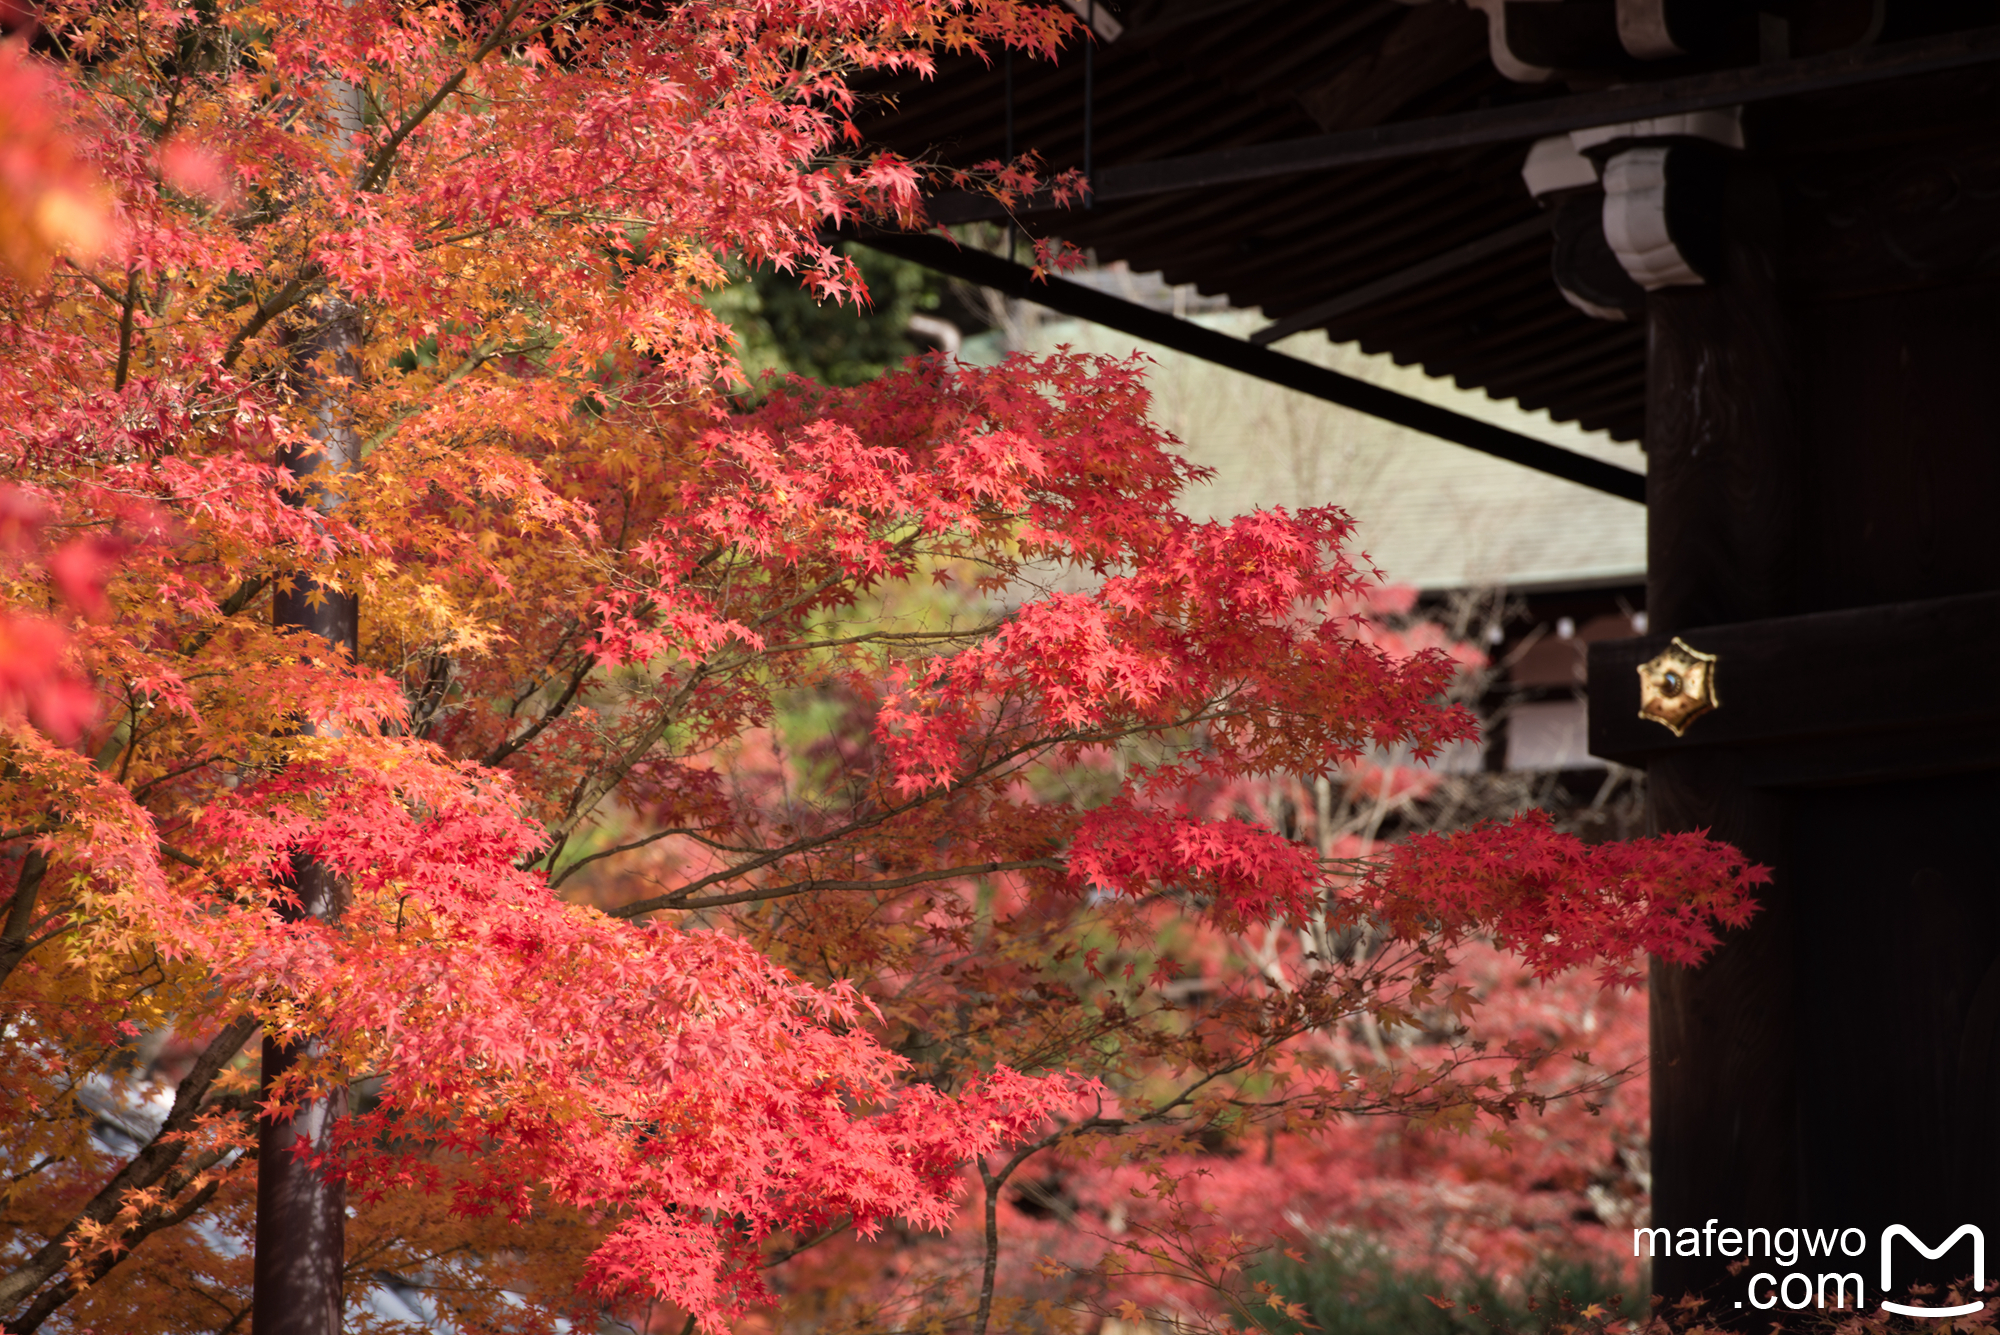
[(784, 329), (1354, 1286)]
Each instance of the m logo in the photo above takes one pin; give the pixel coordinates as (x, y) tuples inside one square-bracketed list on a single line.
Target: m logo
[(1894, 1231)]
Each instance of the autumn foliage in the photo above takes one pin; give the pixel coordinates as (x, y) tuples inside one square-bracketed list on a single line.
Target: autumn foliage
[(753, 825)]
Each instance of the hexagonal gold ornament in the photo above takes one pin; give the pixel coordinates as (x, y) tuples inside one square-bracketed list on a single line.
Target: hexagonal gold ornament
[(1677, 686)]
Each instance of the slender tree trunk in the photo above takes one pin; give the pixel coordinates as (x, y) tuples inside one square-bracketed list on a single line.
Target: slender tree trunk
[(301, 1250), (301, 1216)]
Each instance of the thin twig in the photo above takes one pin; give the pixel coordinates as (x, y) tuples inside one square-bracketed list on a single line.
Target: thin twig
[(673, 901), (385, 156), (549, 715), (652, 838)]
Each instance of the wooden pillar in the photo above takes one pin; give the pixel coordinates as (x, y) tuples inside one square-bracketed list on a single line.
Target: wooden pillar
[(1722, 500), (1824, 467), (1896, 863)]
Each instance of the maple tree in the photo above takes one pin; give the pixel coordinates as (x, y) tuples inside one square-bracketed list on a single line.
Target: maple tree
[(1220, 1149), (742, 820)]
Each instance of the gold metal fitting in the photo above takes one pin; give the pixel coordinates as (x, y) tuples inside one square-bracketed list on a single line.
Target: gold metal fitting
[(1677, 686)]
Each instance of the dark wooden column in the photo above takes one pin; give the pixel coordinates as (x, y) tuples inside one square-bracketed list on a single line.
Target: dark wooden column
[(1823, 431), (1723, 480)]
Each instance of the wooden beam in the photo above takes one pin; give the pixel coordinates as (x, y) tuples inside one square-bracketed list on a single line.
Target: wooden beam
[(1354, 299), (1085, 303), (1895, 671), (1166, 24), (1510, 124)]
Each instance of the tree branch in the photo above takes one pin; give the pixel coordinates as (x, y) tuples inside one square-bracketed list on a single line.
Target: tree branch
[(675, 900), (990, 1261), (139, 791), (480, 356), (993, 1182), (825, 1235), (21, 912), (238, 599), (295, 290), (986, 768), (148, 1223), (125, 328), (549, 715), (652, 838), (142, 1171), (385, 156)]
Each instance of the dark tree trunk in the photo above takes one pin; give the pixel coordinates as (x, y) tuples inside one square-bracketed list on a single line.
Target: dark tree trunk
[(302, 1216)]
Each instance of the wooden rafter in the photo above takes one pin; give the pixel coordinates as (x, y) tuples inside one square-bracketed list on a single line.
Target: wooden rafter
[(1499, 125), (1129, 317)]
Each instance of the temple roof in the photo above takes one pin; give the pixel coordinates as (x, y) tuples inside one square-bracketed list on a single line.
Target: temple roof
[(1191, 76), (1364, 168)]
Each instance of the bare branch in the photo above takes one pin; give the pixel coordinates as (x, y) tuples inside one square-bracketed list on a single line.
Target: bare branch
[(148, 1167), (126, 306), (302, 285), (987, 768), (675, 901), (385, 156), (549, 715), (652, 838), (14, 945)]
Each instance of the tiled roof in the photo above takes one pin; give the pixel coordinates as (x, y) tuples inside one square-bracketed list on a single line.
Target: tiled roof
[(1195, 76)]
